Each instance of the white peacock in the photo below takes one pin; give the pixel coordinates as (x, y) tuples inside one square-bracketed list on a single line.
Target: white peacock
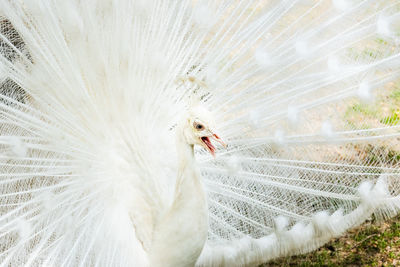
[(111, 113)]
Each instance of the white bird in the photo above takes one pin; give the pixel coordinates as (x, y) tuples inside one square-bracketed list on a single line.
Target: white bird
[(111, 112), (180, 231)]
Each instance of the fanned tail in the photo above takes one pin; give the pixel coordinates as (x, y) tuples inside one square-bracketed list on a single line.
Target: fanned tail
[(305, 93), (309, 109)]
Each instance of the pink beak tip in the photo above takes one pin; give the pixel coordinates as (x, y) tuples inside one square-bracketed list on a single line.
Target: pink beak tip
[(219, 140)]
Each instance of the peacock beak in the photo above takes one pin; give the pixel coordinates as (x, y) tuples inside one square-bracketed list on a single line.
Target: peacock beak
[(206, 140), (219, 140)]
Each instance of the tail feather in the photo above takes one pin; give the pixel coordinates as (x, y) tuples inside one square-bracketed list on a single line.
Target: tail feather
[(304, 92)]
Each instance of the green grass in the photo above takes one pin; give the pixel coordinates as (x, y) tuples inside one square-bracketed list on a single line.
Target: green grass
[(396, 94), (372, 244), (384, 111), (391, 120)]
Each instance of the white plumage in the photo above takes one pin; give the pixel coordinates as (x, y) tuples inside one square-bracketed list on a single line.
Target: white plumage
[(105, 106)]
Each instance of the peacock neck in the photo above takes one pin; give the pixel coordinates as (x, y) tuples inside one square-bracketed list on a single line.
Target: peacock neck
[(182, 231), (188, 181), (186, 163)]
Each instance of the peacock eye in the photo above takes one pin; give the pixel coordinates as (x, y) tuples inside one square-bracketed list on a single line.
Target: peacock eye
[(198, 126)]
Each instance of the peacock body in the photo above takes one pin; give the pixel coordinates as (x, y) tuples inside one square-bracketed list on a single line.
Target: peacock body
[(101, 155)]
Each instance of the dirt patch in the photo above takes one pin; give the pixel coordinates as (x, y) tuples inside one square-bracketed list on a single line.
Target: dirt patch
[(372, 244)]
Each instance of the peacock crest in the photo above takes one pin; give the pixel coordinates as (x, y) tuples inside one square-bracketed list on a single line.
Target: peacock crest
[(111, 113)]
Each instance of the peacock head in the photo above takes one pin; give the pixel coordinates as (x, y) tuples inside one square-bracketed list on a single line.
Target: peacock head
[(199, 129)]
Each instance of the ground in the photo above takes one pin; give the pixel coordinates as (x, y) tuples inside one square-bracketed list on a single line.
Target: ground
[(371, 244)]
